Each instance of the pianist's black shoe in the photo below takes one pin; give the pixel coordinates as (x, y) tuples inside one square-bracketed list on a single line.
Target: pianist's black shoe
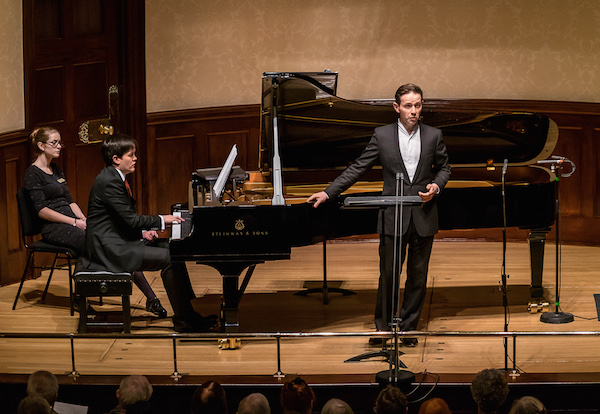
[(194, 324), (154, 306)]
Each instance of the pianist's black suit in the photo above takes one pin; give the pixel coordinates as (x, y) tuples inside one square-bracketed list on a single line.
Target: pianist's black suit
[(420, 224), (113, 241)]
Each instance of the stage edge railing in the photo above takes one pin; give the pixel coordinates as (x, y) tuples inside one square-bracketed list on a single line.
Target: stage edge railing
[(278, 336)]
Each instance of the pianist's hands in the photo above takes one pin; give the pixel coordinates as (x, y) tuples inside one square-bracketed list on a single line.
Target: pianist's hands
[(432, 190), (169, 219), (149, 235), (317, 198)]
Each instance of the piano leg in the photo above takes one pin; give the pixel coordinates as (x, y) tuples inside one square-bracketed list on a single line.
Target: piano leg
[(537, 241), (232, 293)]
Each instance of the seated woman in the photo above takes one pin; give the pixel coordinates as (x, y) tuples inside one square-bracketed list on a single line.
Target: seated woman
[(63, 222)]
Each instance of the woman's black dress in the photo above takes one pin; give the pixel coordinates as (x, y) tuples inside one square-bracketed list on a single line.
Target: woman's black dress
[(50, 190)]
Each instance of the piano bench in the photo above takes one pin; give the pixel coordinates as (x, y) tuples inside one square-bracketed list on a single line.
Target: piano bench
[(102, 283)]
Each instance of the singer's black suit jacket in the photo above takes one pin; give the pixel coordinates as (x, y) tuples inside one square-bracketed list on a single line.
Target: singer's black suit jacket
[(384, 148)]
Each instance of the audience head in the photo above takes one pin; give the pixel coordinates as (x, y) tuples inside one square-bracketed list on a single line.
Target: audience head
[(434, 406), (34, 404), (255, 403), (391, 401), (335, 406), (43, 383), (133, 388), (40, 136), (489, 390), (117, 145), (209, 398), (527, 405), (297, 397)]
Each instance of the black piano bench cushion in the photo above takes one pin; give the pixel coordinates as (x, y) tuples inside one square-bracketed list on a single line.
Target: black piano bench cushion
[(102, 283)]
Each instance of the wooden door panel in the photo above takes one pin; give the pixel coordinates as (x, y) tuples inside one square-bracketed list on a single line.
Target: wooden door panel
[(90, 80), (48, 96), (73, 50), (73, 56)]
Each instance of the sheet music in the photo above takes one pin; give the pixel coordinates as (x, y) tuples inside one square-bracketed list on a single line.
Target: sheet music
[(224, 174), (176, 227), (67, 408)]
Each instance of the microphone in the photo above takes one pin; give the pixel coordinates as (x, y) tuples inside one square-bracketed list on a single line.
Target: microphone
[(552, 161), (505, 166)]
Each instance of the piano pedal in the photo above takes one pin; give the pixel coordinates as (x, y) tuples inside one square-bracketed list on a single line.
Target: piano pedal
[(540, 306), (230, 343)]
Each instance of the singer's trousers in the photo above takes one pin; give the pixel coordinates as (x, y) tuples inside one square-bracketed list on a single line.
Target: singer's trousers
[(419, 251)]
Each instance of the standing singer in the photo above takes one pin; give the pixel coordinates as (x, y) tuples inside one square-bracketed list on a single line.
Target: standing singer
[(417, 153)]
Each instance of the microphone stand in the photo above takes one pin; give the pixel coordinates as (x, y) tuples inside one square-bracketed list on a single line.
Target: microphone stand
[(556, 165), (394, 375), (504, 276)]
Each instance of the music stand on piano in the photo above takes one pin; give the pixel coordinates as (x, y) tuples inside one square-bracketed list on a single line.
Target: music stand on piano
[(393, 375), (213, 181)]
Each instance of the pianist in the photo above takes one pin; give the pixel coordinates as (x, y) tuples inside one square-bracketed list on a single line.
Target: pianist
[(415, 154), (117, 238)]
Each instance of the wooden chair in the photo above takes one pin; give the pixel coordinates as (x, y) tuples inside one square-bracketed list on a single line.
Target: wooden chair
[(31, 226), (102, 283)]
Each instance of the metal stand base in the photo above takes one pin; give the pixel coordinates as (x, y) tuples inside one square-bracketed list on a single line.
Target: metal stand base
[(405, 379), (387, 354), (556, 317), (325, 290)]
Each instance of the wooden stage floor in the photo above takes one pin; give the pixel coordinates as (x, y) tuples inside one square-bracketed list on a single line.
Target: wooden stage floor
[(463, 296)]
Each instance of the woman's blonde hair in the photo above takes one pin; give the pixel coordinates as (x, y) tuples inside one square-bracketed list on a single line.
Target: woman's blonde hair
[(41, 134)]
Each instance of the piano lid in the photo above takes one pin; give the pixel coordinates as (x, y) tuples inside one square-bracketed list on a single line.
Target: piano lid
[(320, 131)]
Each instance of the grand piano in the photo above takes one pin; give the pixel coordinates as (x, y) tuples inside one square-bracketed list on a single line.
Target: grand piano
[(309, 135)]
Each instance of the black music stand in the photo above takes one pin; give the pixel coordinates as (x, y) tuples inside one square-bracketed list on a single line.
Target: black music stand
[(556, 166), (393, 375), (325, 289)]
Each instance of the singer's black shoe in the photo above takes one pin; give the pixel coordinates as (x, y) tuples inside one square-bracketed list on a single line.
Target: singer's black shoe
[(154, 306), (377, 340), (410, 342)]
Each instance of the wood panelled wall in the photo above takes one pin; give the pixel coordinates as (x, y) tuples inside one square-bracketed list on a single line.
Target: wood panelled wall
[(179, 142), (579, 141)]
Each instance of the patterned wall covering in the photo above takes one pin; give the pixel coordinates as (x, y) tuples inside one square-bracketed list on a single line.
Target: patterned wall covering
[(12, 115), (212, 53)]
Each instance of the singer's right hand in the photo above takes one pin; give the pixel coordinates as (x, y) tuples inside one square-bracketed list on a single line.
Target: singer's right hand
[(317, 198), (432, 190)]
